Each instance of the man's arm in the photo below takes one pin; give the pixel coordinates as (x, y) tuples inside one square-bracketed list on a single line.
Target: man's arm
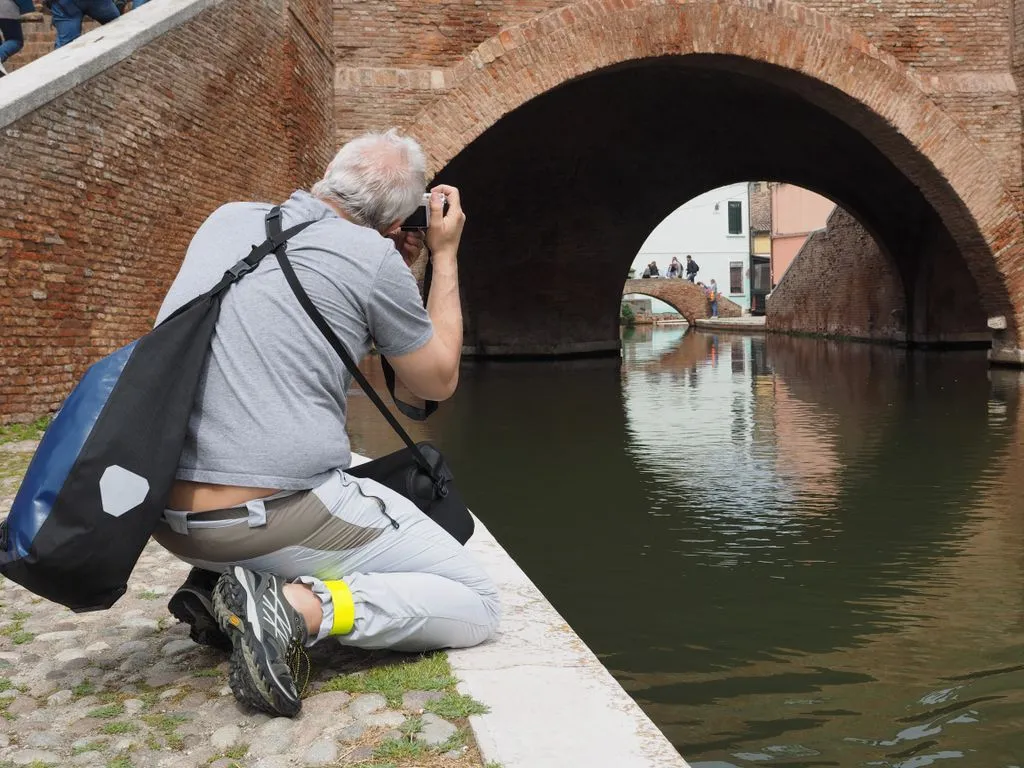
[(432, 371)]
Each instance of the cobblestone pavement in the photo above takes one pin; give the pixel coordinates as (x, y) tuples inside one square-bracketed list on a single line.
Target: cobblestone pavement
[(127, 688)]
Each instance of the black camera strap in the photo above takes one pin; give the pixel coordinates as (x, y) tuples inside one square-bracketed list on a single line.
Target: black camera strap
[(273, 221)]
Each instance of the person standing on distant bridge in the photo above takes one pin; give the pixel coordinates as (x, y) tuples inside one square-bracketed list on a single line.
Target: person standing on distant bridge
[(675, 269), (68, 16), (692, 269), (12, 14)]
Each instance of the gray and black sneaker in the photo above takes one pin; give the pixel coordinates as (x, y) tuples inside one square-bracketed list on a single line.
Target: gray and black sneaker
[(192, 604), (269, 638)]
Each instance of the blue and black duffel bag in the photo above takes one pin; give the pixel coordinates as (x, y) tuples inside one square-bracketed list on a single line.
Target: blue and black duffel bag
[(100, 478)]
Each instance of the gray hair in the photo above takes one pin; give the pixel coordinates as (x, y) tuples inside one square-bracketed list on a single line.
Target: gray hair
[(377, 179)]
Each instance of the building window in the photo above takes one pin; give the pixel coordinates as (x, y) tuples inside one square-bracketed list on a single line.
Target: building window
[(762, 282), (735, 217), (735, 277)]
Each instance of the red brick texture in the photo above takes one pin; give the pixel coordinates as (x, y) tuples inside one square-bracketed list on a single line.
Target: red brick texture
[(926, 84), (840, 284), (573, 128), (104, 186), (683, 296)]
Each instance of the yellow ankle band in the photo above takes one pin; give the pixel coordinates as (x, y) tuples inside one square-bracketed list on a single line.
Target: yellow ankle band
[(344, 608)]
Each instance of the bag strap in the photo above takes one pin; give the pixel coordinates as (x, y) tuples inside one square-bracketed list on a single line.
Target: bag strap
[(244, 266), (274, 226)]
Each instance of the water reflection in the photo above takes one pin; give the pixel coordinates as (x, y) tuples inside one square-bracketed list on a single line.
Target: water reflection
[(790, 552)]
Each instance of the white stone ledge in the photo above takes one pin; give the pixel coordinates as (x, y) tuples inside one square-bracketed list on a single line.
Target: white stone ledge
[(552, 703), (50, 76)]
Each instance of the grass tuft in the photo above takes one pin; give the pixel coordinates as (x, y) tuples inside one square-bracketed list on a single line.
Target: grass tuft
[(149, 595), (84, 688), (456, 741), (92, 746), (14, 433), (164, 723), (107, 710), (167, 725), (455, 705), (430, 673), (411, 726), (15, 630), (119, 727), (400, 749)]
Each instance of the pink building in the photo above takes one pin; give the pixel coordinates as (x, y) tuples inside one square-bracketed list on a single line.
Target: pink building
[(796, 213)]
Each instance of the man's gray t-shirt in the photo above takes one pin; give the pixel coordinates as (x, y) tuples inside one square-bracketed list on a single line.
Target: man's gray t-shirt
[(270, 410)]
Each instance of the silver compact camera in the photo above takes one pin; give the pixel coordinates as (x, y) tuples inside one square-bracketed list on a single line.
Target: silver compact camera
[(420, 218)]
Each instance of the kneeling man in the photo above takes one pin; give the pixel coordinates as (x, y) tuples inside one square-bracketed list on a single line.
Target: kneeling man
[(303, 550)]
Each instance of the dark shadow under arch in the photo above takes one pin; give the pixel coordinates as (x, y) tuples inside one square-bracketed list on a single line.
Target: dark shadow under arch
[(562, 192)]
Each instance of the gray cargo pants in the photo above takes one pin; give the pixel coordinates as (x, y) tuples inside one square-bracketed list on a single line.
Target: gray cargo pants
[(414, 587)]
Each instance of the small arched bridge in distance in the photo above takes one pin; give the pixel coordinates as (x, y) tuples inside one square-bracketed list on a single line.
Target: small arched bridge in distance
[(686, 298)]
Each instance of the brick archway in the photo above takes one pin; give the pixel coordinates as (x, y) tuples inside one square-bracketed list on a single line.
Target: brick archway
[(865, 88), (683, 296)]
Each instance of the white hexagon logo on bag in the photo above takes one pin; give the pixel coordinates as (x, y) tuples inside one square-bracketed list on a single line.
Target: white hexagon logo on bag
[(121, 490)]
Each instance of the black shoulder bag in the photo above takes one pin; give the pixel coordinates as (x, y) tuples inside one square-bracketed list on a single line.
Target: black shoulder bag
[(99, 480), (418, 471)]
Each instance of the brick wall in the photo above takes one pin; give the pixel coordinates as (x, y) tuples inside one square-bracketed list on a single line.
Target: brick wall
[(840, 284), (930, 34), (105, 184), (394, 58), (760, 207)]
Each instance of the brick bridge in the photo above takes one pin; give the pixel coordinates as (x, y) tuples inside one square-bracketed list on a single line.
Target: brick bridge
[(572, 128), (683, 296)]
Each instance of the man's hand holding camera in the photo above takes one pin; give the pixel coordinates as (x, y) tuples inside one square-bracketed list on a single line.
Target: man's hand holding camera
[(445, 224), (440, 227)]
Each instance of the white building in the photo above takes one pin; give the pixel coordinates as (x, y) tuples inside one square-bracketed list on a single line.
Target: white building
[(714, 229)]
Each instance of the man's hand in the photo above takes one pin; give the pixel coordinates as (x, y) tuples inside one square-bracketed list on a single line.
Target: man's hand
[(445, 230), (409, 244), (432, 371)]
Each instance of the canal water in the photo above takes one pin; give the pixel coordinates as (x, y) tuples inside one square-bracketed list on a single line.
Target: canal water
[(790, 552)]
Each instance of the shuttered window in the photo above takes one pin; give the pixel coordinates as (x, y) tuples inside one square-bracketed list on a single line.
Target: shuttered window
[(735, 217)]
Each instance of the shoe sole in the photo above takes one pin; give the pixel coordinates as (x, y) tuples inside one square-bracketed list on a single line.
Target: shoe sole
[(190, 609), (247, 678)]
